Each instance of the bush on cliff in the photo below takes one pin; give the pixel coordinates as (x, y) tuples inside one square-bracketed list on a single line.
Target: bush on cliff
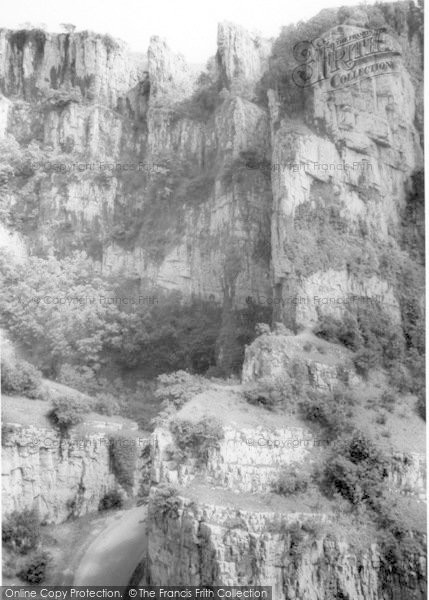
[(34, 570), (123, 456), (165, 502), (18, 377), (356, 469), (330, 410), (195, 439), (266, 395), (21, 530), (68, 411), (112, 499), (291, 481)]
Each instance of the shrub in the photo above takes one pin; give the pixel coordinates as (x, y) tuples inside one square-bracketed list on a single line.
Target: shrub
[(123, 455), (364, 360), (196, 438), (165, 502), (266, 395), (369, 332), (106, 404), (388, 400), (291, 481), (68, 411), (79, 378), (399, 377), (112, 499), (344, 331), (20, 377), (356, 469), (21, 530), (179, 387), (328, 410), (34, 571)]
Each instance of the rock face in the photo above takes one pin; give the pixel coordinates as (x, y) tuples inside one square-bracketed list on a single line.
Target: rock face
[(242, 58), (33, 63), (246, 460), (275, 356), (347, 162), (60, 477), (169, 180), (121, 166), (200, 545), (210, 184)]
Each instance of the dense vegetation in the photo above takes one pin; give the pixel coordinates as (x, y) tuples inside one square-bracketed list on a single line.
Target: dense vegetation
[(63, 313), (194, 439), (21, 530), (19, 377), (68, 411), (123, 456)]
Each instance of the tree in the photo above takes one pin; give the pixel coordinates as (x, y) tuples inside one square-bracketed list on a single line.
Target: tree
[(58, 309)]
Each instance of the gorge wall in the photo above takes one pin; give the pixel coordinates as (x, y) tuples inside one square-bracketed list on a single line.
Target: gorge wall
[(189, 181), (259, 176), (62, 477), (126, 175), (211, 545)]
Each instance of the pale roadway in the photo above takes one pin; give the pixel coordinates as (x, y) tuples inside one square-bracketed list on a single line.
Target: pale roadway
[(115, 553)]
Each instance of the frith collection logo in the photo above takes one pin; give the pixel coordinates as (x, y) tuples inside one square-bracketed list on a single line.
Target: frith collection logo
[(343, 60)]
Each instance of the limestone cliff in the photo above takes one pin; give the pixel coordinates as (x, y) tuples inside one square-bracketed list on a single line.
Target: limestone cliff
[(61, 477), (170, 176), (119, 163), (350, 157), (212, 545)]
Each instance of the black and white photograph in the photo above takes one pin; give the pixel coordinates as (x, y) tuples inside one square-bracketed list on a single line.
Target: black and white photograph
[(212, 300)]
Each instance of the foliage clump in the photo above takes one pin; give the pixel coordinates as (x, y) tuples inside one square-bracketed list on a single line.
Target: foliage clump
[(19, 377), (123, 456), (21, 530), (34, 570), (197, 438), (111, 499), (356, 469), (68, 411), (330, 410), (165, 502), (291, 481)]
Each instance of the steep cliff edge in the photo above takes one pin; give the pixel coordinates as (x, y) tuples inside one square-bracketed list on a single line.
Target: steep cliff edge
[(130, 165), (217, 517), (342, 173), (62, 476)]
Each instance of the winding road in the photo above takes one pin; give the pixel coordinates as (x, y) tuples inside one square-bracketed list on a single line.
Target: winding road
[(115, 553)]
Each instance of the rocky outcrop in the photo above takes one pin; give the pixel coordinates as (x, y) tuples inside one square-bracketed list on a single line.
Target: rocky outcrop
[(242, 58), (245, 460), (340, 178), (117, 148), (212, 545), (61, 477), (33, 63), (171, 78), (408, 474), (275, 356)]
